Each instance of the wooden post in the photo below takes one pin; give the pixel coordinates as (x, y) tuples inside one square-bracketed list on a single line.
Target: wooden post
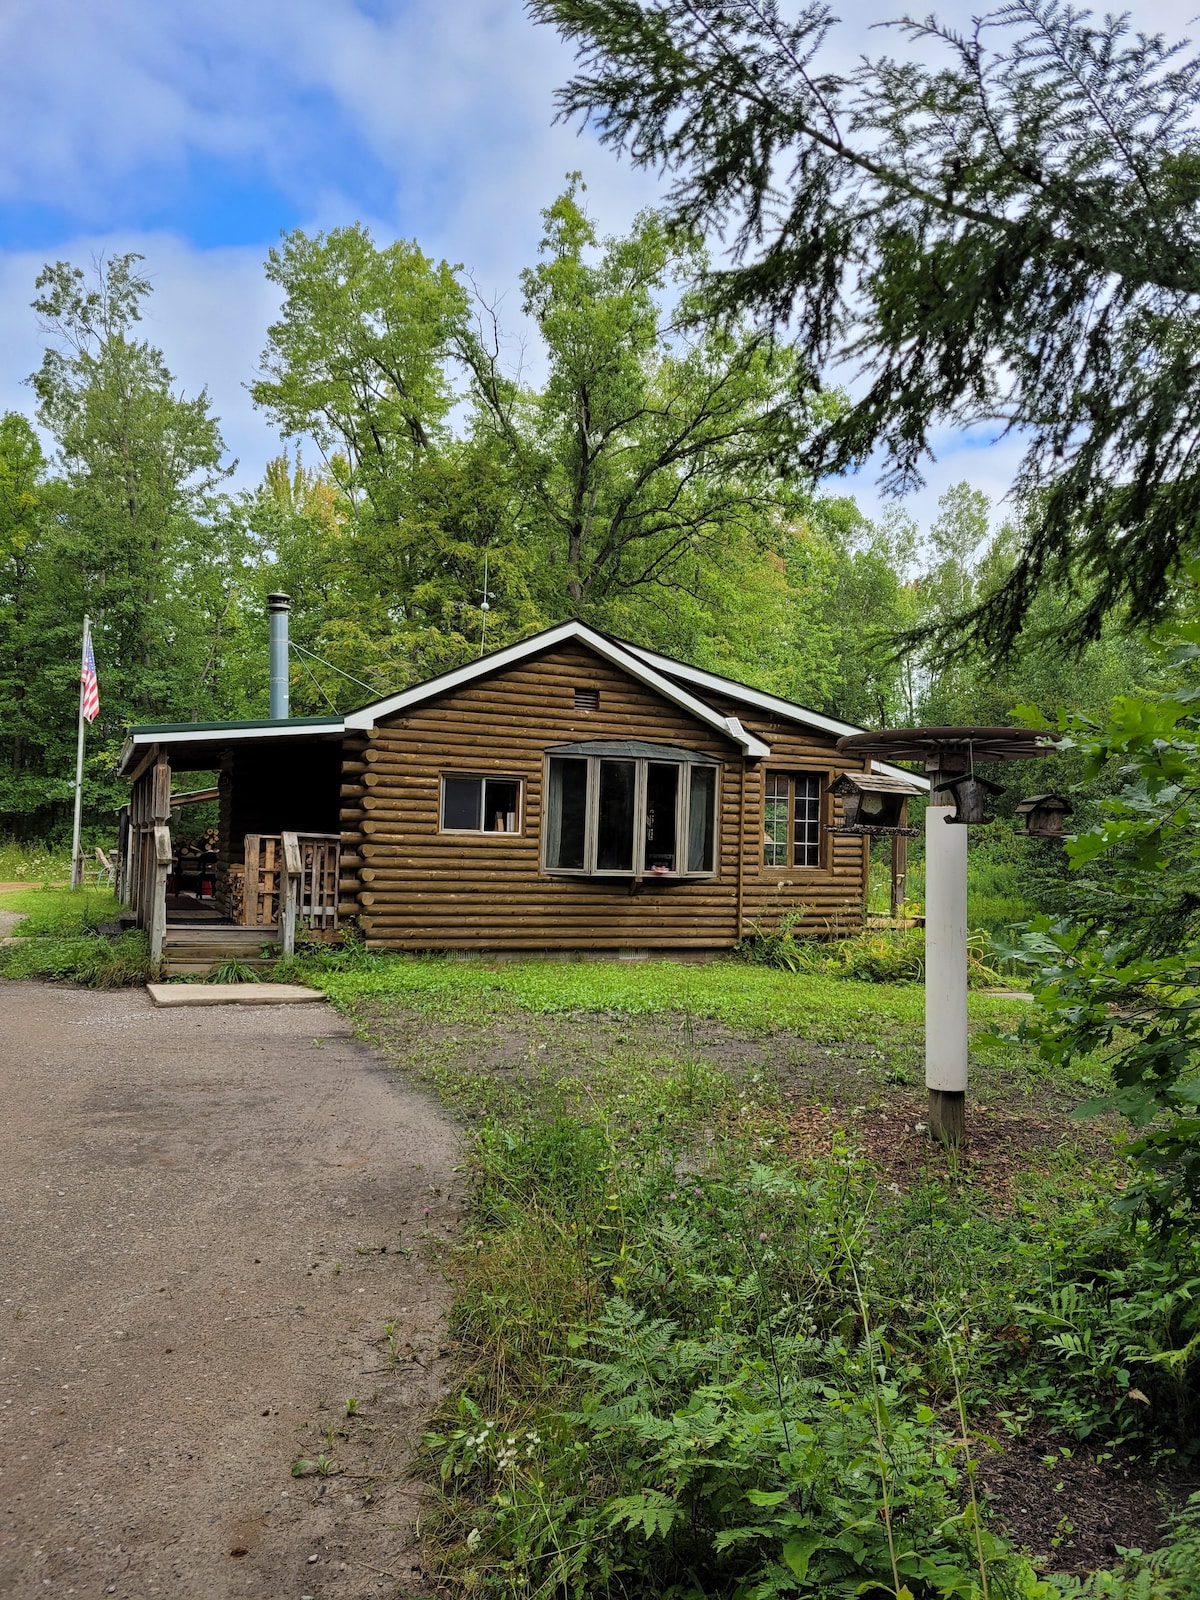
[(899, 864), (290, 870), (250, 880), (158, 905)]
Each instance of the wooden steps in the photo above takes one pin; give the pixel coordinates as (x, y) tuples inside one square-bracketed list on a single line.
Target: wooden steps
[(195, 951)]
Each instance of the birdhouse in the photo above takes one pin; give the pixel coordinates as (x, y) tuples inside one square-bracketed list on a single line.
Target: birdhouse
[(872, 803), (1044, 815), (970, 793)]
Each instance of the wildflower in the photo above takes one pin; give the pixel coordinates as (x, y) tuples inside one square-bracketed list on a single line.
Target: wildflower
[(762, 1236), (473, 1538)]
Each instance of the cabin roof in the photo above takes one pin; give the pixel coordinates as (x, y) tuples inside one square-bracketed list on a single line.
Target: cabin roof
[(674, 680), (204, 740), (788, 709)]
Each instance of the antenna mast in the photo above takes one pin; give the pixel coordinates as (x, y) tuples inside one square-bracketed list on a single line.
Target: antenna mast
[(484, 606)]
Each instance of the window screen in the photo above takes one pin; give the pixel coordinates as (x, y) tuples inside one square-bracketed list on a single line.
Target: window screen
[(566, 814), (461, 799), (614, 819), (702, 818)]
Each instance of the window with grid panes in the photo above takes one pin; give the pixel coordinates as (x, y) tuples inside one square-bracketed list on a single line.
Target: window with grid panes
[(792, 820)]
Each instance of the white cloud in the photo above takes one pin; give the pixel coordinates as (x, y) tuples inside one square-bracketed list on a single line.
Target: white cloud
[(449, 105), (209, 313)]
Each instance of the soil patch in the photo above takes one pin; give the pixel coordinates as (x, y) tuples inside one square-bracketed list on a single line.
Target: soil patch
[(1073, 1511), (1001, 1146)]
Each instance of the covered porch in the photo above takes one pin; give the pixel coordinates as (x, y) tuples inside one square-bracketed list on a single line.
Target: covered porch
[(231, 840)]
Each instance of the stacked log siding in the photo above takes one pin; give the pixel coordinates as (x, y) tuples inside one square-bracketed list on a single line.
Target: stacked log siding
[(416, 888)]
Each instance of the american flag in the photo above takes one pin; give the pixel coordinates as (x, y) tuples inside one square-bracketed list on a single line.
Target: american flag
[(90, 689)]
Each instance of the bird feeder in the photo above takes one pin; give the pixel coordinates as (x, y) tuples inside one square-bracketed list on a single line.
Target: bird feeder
[(1044, 815), (958, 795), (970, 793), (873, 804)]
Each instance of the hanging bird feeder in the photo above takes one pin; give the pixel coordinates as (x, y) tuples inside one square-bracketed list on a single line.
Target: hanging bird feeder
[(873, 804), (949, 756), (971, 794), (1045, 815)]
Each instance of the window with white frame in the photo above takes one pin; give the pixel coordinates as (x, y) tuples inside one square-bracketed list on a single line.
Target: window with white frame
[(480, 805), (792, 819), (631, 810)]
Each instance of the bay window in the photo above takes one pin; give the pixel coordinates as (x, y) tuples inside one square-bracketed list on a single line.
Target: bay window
[(630, 809)]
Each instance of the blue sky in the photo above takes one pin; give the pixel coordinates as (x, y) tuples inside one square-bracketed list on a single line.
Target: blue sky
[(197, 132)]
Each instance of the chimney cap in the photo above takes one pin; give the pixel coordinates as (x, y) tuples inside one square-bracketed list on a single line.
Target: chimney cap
[(279, 602)]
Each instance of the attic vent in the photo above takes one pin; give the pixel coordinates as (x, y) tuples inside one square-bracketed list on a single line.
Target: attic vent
[(587, 699)]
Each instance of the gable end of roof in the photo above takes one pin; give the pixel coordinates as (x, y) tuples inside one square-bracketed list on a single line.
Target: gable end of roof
[(619, 655)]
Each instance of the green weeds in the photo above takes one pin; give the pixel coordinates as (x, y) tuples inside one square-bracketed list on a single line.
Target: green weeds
[(56, 939), (25, 862)]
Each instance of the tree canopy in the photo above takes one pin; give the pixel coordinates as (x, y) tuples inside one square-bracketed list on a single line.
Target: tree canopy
[(998, 228)]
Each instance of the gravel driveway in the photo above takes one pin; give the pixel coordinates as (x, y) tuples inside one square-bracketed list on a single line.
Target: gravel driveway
[(206, 1219)]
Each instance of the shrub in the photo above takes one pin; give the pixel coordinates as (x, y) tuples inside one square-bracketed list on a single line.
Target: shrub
[(885, 955)]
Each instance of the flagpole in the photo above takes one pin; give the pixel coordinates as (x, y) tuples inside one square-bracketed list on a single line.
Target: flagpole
[(76, 862)]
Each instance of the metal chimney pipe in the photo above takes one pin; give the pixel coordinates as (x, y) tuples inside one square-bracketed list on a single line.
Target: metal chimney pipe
[(278, 606)]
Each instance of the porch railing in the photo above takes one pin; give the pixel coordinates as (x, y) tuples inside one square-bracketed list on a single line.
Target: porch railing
[(291, 874)]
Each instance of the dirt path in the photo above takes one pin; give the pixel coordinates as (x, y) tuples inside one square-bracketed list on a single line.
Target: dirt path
[(206, 1219)]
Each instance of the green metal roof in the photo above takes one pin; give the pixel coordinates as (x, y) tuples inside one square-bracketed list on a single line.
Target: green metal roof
[(159, 729)]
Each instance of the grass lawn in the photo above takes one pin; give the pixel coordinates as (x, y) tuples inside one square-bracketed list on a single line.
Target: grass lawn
[(726, 1318), (56, 937)]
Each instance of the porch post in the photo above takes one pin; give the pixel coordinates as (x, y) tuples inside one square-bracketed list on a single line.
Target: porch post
[(158, 904), (290, 870)]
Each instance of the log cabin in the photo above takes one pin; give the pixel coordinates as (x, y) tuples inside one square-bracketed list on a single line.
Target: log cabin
[(569, 793)]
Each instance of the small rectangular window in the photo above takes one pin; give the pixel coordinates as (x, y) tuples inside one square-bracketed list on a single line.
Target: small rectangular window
[(587, 699), (662, 816), (481, 805)]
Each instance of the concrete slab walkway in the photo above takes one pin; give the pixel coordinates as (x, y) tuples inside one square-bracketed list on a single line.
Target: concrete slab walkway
[(206, 1219), (177, 995)]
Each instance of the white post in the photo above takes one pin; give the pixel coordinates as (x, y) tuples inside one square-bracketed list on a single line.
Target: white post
[(76, 861), (945, 970)]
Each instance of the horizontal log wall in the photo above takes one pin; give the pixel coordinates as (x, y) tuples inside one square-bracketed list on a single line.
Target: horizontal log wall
[(415, 888)]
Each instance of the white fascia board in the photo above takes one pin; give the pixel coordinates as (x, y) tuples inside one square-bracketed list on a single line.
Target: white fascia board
[(772, 703), (446, 681), (138, 741), (628, 663)]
